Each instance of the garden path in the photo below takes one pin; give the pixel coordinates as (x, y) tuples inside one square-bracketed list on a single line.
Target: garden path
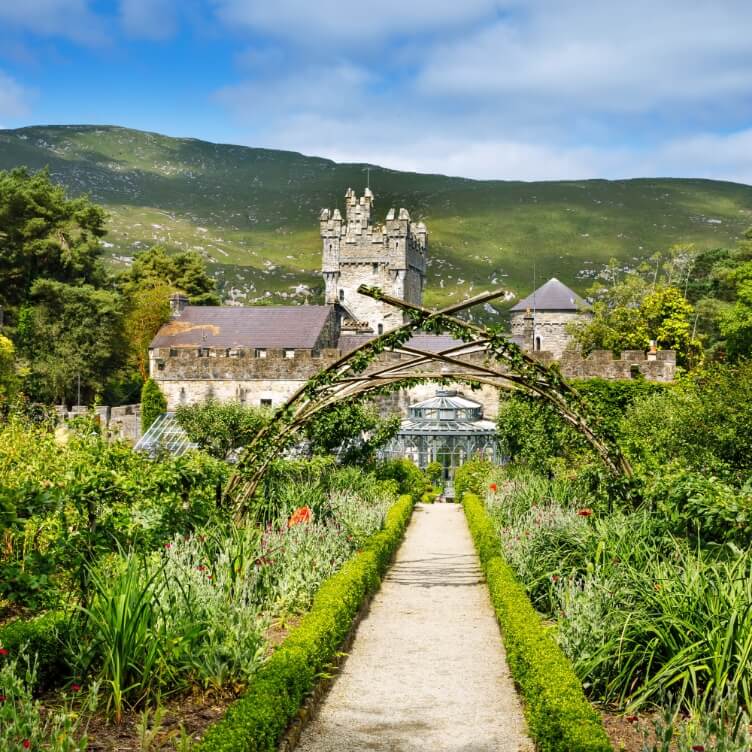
[(427, 669)]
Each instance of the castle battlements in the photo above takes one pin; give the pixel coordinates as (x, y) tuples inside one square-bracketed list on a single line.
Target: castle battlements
[(356, 251)]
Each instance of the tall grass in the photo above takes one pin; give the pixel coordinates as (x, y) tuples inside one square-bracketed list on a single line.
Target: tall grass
[(641, 613)]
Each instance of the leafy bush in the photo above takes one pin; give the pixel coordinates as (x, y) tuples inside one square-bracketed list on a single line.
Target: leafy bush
[(559, 717), (153, 404), (258, 719)]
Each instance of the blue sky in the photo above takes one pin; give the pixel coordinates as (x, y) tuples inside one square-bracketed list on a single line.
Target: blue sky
[(540, 89)]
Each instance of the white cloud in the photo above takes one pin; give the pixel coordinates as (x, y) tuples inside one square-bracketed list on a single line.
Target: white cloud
[(351, 24), (148, 19), (607, 56), (71, 19), (13, 98)]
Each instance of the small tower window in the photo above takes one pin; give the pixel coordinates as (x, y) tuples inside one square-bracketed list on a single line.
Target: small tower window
[(381, 328), (341, 294), (182, 395), (537, 343), (374, 267)]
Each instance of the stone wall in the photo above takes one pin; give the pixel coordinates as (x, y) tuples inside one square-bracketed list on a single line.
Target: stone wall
[(122, 422), (653, 366)]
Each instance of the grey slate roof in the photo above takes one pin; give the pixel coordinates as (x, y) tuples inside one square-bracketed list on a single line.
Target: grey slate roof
[(447, 399), (429, 342), (294, 327), (552, 296)]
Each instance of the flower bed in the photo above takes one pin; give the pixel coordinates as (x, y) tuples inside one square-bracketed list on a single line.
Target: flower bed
[(559, 717), (257, 721)]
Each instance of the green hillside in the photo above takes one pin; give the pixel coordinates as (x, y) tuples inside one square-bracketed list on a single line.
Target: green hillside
[(254, 212)]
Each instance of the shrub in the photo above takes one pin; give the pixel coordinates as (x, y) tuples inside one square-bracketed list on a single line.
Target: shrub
[(559, 717), (256, 721), (39, 637), (153, 404)]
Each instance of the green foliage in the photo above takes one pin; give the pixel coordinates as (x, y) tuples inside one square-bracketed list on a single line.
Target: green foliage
[(185, 272), (406, 473), (8, 376), (350, 429), (70, 332), (221, 428), (25, 725), (258, 719), (153, 404), (472, 477), (559, 717), (42, 637), (45, 236), (629, 314)]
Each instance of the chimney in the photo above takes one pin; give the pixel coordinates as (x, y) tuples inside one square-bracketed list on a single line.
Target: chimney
[(178, 302)]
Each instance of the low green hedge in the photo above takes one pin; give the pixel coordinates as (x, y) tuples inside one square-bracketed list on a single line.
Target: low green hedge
[(41, 635), (559, 717), (257, 720)]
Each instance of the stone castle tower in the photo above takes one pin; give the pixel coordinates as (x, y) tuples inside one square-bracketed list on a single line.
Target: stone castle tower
[(391, 256)]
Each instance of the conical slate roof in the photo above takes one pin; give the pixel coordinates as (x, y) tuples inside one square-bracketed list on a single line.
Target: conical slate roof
[(553, 296)]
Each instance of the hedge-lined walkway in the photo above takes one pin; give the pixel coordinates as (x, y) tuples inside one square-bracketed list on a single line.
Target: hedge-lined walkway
[(427, 668)]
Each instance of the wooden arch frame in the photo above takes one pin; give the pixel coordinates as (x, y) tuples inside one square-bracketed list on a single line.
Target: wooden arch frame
[(504, 366)]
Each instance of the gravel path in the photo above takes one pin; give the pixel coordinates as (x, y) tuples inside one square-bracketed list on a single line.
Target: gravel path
[(427, 670)]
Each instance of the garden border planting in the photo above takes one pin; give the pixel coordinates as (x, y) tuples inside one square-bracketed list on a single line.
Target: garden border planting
[(41, 635), (560, 719), (257, 721)]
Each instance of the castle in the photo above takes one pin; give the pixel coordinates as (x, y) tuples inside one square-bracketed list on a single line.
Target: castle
[(261, 355)]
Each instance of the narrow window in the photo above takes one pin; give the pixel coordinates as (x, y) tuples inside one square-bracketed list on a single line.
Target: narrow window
[(182, 395), (260, 352), (266, 403), (381, 328), (375, 267), (537, 343), (341, 294)]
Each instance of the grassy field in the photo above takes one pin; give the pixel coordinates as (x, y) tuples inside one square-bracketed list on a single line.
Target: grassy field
[(253, 213)]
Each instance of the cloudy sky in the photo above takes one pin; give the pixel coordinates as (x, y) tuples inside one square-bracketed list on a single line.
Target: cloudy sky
[(528, 89)]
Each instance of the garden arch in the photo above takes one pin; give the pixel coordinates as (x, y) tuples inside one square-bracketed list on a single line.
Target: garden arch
[(485, 356)]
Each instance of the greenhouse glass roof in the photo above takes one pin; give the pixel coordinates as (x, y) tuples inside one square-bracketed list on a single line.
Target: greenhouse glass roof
[(165, 433)]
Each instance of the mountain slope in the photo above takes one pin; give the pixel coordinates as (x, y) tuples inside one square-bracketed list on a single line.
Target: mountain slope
[(254, 212)]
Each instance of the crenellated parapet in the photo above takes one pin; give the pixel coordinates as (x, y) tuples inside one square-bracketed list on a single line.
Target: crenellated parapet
[(355, 251)]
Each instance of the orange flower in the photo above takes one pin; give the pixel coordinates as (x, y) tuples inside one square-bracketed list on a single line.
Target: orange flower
[(299, 516), (493, 487), (584, 512)]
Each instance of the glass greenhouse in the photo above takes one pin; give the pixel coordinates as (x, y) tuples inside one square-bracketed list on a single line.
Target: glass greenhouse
[(449, 428)]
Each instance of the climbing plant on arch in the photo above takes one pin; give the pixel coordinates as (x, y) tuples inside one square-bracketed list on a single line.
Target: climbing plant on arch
[(485, 355)]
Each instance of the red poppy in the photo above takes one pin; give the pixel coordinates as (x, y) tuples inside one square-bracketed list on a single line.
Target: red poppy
[(26, 744), (585, 512), (2, 698), (168, 545), (698, 748), (555, 578), (300, 516), (75, 687), (493, 487), (632, 718), (201, 568), (3, 651)]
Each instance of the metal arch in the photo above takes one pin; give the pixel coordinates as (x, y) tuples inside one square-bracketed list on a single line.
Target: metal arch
[(345, 380)]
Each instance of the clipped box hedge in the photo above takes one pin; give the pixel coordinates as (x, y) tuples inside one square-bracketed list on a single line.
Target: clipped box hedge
[(256, 722), (40, 636), (559, 717)]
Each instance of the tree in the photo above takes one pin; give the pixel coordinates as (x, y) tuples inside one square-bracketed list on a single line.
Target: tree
[(631, 313), (8, 378), (735, 322), (149, 309), (221, 428), (353, 431), (70, 334), (184, 272), (43, 234), (153, 404)]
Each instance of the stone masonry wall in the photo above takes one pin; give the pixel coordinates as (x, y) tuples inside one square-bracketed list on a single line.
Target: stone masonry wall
[(550, 328)]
